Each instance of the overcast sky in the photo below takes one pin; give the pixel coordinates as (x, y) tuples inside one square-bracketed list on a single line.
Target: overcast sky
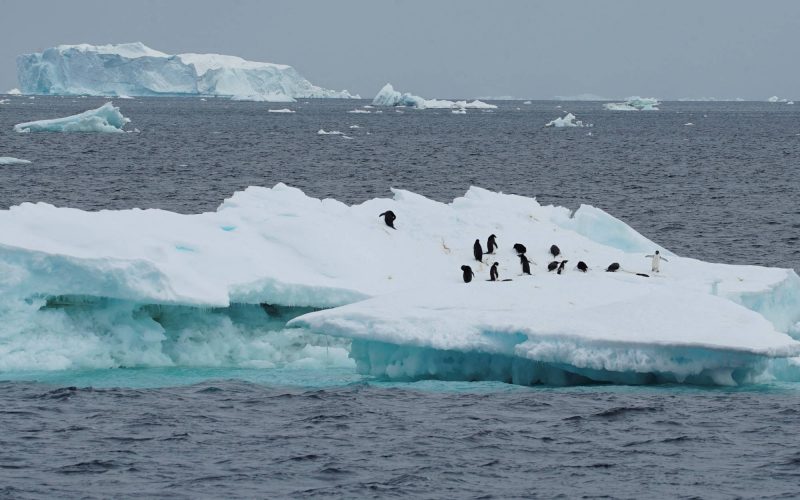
[(464, 48)]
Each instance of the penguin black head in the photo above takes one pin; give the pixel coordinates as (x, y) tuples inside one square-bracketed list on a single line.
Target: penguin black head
[(466, 268), (656, 252)]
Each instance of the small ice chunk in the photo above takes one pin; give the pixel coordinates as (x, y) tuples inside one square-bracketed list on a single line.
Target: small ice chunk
[(282, 110), (10, 160), (567, 120)]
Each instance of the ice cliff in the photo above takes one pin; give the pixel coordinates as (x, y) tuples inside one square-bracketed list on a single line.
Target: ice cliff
[(275, 277), (133, 69)]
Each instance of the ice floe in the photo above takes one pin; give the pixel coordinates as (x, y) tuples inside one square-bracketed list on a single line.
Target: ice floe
[(106, 118), (388, 96), (10, 160), (567, 120), (151, 287)]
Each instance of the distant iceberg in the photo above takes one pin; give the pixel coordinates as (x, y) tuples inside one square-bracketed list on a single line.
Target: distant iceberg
[(134, 69), (581, 97), (14, 91), (567, 120), (635, 103), (388, 96), (106, 118), (111, 288), (10, 160)]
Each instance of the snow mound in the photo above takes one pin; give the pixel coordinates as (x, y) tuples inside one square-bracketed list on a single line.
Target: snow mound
[(155, 288), (106, 118), (282, 110), (388, 96), (567, 120), (134, 69), (635, 103), (10, 160)]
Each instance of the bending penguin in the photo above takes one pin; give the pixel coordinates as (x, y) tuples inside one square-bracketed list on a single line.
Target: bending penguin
[(526, 264), (555, 251), (467, 273), (552, 266), (657, 258), (477, 251), (491, 244), (613, 267), (582, 267), (388, 218)]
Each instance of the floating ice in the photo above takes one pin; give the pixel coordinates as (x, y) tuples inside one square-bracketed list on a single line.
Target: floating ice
[(136, 70), (688, 124), (388, 96), (359, 111), (460, 111), (527, 102), (14, 91), (282, 110), (776, 99), (635, 103), (567, 120), (106, 118), (4, 101), (153, 288), (10, 160)]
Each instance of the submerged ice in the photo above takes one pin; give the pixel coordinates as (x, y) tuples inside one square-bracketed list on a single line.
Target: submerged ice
[(134, 69), (106, 118), (273, 277)]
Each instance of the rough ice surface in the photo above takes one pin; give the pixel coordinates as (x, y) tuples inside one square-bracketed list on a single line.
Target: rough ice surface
[(635, 103), (133, 69), (388, 96), (272, 275), (567, 120), (106, 118), (10, 160)]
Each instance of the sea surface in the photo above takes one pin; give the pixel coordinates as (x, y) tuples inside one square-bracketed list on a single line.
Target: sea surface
[(724, 188)]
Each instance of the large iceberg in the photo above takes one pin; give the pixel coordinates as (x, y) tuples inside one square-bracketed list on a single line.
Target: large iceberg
[(273, 277), (635, 103), (388, 96), (106, 118), (133, 69)]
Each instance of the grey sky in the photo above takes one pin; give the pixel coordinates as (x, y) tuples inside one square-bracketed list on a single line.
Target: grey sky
[(536, 49)]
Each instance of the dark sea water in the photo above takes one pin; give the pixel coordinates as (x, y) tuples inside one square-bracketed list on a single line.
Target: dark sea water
[(723, 189)]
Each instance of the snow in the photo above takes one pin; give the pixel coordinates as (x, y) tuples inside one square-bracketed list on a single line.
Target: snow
[(106, 118), (635, 103), (388, 96), (156, 288), (10, 160), (282, 110), (133, 69), (567, 120)]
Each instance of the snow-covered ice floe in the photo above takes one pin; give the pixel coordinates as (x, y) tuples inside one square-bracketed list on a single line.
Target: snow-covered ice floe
[(567, 120), (388, 96), (106, 118), (635, 103), (134, 69), (10, 160), (272, 278)]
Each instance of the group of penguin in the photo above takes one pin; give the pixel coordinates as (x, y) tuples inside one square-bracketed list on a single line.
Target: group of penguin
[(491, 245), (525, 262)]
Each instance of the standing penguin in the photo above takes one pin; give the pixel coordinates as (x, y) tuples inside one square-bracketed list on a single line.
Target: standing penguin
[(555, 251), (561, 267), (613, 267), (388, 218), (493, 274), (467, 273), (491, 244), (582, 267), (477, 251), (657, 258), (520, 248), (526, 264)]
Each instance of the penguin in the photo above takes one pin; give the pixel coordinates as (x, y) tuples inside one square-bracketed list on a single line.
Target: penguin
[(468, 274), (493, 274), (552, 266), (477, 251), (656, 264), (555, 251), (561, 266), (613, 267), (526, 264), (520, 248), (491, 244), (582, 267), (388, 218)]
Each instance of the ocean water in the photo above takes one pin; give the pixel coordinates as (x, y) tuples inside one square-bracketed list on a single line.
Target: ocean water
[(723, 189)]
